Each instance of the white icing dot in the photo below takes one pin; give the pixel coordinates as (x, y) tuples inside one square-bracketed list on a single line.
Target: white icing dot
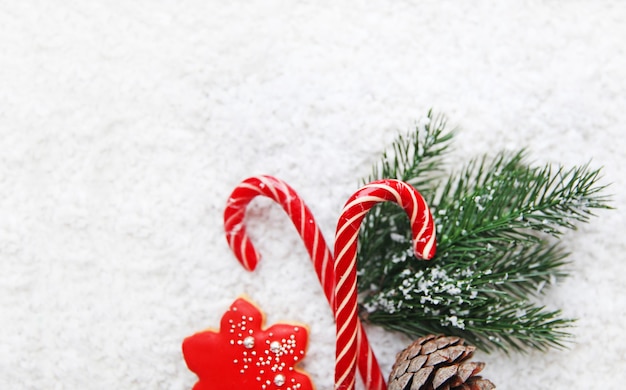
[(248, 342), (275, 346), (279, 380)]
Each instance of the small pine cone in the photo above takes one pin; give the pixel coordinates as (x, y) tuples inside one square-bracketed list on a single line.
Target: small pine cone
[(437, 362)]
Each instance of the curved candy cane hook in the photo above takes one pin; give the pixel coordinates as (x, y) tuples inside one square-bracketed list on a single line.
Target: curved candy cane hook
[(424, 245), (318, 250), (300, 215)]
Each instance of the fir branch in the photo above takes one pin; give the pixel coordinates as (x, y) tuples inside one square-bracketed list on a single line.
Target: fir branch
[(417, 157), (508, 200), (532, 326), (496, 222)]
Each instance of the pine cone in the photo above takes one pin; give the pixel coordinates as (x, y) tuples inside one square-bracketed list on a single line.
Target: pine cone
[(437, 362)]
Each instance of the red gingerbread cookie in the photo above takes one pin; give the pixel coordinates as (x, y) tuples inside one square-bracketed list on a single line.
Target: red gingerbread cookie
[(243, 355)]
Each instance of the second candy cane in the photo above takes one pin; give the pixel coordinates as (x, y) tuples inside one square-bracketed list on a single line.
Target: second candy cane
[(424, 246)]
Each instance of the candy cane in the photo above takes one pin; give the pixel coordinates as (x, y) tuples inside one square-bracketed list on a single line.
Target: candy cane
[(424, 245), (318, 250)]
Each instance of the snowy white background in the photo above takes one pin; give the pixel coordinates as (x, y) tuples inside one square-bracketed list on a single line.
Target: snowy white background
[(124, 127)]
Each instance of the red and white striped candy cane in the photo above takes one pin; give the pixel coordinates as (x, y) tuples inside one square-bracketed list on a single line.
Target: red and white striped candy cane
[(424, 245), (318, 250)]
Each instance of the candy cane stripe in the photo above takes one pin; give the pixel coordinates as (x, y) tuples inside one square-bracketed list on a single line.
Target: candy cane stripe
[(246, 261), (349, 222), (414, 200), (346, 247), (344, 351), (386, 187), (345, 378), (369, 361), (429, 247), (341, 307), (363, 199)]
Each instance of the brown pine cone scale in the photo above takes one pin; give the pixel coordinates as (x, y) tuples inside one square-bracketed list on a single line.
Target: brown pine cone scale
[(438, 363)]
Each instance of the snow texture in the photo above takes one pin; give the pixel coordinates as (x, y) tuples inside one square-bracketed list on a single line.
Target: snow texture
[(125, 125)]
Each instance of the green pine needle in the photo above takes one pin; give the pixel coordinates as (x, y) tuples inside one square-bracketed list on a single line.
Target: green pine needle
[(497, 223)]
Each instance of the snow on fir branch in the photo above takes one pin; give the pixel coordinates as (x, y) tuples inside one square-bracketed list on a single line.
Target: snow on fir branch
[(498, 223)]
